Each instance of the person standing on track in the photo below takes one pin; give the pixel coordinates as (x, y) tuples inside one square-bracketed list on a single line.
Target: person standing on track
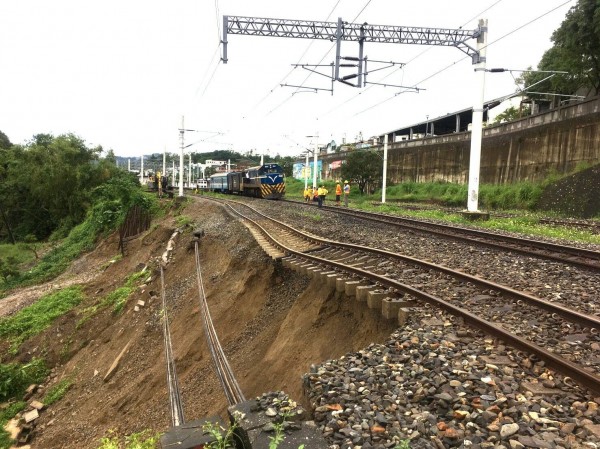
[(307, 194), (322, 192), (338, 193), (346, 193)]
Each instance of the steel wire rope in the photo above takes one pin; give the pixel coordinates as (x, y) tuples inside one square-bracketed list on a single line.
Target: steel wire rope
[(320, 61), (232, 390), (176, 406), (403, 66), (465, 57)]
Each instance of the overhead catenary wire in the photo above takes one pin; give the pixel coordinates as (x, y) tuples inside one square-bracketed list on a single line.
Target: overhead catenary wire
[(293, 68), (465, 57), (318, 63), (404, 66)]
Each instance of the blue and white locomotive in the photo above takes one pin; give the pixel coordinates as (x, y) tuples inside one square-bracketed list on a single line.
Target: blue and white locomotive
[(263, 181)]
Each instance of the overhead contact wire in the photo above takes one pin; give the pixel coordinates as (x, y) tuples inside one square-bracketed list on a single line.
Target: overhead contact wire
[(465, 57)]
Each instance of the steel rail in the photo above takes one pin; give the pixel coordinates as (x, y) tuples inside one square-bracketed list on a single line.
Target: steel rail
[(230, 386), (568, 368), (420, 226), (176, 406), (594, 227), (583, 319)]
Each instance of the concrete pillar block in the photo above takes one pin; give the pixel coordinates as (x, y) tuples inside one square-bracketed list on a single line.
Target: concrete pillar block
[(362, 291), (390, 307), (374, 299), (325, 275), (340, 284), (351, 288), (332, 280), (306, 268), (403, 314)]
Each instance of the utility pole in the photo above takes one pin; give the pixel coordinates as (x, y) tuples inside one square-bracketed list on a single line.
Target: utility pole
[(315, 167), (142, 171), (477, 122), (306, 171), (385, 152), (181, 139)]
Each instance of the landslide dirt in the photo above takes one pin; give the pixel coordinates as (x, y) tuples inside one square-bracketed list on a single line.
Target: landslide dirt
[(272, 323)]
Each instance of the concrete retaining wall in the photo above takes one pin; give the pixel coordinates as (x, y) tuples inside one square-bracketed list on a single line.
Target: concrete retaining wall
[(526, 149)]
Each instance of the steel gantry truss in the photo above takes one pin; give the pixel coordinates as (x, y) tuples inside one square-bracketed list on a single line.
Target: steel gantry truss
[(361, 33), (354, 32)]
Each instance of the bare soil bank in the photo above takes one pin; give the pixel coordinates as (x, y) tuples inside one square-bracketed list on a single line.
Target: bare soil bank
[(272, 323)]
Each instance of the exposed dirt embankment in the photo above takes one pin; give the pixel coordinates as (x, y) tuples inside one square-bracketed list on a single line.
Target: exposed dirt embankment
[(577, 195), (272, 323)]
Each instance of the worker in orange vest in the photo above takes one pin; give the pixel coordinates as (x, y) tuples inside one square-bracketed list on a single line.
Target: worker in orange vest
[(338, 194)]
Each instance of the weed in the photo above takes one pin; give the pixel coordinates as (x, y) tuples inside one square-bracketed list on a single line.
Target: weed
[(6, 415), (277, 438), (57, 392), (404, 444), (40, 315), (223, 438), (139, 440), (15, 378), (316, 216), (183, 220)]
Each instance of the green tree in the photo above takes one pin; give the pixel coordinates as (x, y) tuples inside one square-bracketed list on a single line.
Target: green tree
[(47, 183), (512, 113), (4, 141), (576, 50), (362, 167)]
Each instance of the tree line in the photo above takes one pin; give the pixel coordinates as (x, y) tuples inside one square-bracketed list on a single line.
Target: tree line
[(576, 50), (48, 184)]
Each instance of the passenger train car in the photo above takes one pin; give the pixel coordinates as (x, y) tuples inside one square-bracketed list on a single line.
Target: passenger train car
[(263, 181)]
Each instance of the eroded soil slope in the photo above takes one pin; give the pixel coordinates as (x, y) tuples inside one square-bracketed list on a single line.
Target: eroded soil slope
[(272, 323)]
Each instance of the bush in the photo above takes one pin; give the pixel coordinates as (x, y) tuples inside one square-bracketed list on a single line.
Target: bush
[(15, 378)]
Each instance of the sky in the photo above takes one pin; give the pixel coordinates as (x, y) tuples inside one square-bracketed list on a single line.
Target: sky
[(123, 73)]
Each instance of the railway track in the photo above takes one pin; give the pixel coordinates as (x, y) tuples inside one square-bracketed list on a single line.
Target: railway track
[(575, 224), (223, 370), (579, 257), (561, 336)]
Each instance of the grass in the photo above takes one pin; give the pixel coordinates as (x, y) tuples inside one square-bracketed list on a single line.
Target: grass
[(519, 199), (183, 220), (57, 392), (140, 440), (117, 298), (525, 224), (34, 319), (16, 252)]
